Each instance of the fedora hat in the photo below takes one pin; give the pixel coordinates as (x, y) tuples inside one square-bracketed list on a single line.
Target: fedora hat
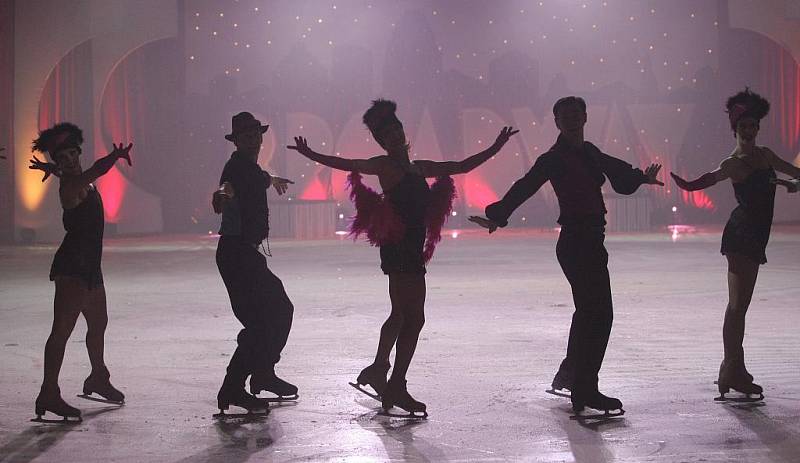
[(244, 122)]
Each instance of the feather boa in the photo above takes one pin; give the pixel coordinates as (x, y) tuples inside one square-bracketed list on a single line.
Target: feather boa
[(443, 192), (377, 219)]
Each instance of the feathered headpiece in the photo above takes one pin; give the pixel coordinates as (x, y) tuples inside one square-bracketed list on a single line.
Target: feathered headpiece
[(746, 104), (58, 137), (381, 114)]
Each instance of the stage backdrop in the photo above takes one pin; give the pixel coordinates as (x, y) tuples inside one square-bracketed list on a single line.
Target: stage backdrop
[(64, 75), (169, 75), (7, 121), (655, 74)]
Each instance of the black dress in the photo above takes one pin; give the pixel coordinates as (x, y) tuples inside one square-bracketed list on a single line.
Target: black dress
[(82, 248), (747, 230), (410, 199)]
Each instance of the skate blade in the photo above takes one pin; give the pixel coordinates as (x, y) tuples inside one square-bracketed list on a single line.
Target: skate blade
[(405, 416), (249, 416), (746, 399), (101, 400), (71, 420), (559, 392), (278, 399), (366, 392), (607, 415)]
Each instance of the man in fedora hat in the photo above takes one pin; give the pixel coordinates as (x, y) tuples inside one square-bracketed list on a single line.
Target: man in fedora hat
[(257, 296)]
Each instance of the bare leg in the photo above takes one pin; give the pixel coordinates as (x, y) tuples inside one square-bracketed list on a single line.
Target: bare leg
[(407, 292), (69, 300), (390, 328), (96, 314), (742, 275)]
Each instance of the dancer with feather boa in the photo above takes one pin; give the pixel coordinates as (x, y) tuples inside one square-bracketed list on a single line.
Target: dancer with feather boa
[(405, 222)]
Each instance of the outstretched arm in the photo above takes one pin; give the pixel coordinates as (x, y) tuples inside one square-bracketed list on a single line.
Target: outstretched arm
[(626, 179), (72, 185), (279, 183), (47, 167), (781, 165), (724, 171), (371, 166), (103, 165), (438, 169), (777, 163), (791, 185), (497, 214)]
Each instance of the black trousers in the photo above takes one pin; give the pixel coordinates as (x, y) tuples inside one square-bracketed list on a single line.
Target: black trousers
[(259, 301), (584, 260)]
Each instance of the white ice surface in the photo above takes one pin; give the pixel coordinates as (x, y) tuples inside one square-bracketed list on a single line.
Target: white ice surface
[(498, 312)]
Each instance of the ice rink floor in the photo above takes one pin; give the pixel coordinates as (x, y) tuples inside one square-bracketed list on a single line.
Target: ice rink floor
[(498, 311)]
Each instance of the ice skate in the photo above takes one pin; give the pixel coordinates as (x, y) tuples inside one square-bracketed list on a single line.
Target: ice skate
[(50, 400), (562, 385), (396, 395), (237, 396), (269, 381), (751, 392), (374, 376), (735, 376), (609, 406), (98, 383)]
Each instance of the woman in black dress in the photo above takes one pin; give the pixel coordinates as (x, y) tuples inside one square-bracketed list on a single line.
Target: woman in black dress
[(751, 169), (405, 222), (76, 265)]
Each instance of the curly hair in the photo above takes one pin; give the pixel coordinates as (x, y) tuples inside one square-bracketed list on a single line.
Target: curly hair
[(58, 136), (746, 104), (380, 114)]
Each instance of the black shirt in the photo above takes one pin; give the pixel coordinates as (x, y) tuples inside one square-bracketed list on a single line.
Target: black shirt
[(576, 176), (248, 216)]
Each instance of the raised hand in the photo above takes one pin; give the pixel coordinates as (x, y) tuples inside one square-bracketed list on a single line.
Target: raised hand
[(505, 134), (281, 184), (46, 167), (682, 184), (483, 222), (301, 146), (791, 185), (652, 173), (123, 152)]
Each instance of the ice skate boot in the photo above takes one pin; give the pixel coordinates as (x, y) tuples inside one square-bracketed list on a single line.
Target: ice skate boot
[(50, 400), (562, 384), (374, 376), (232, 395), (98, 383), (609, 406), (396, 395), (269, 381), (737, 378)]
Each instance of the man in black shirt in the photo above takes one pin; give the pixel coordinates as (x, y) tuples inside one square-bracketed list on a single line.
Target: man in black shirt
[(577, 169), (257, 296)]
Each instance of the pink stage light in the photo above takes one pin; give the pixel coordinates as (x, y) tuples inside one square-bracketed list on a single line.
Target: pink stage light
[(477, 192), (698, 199), (314, 191)]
